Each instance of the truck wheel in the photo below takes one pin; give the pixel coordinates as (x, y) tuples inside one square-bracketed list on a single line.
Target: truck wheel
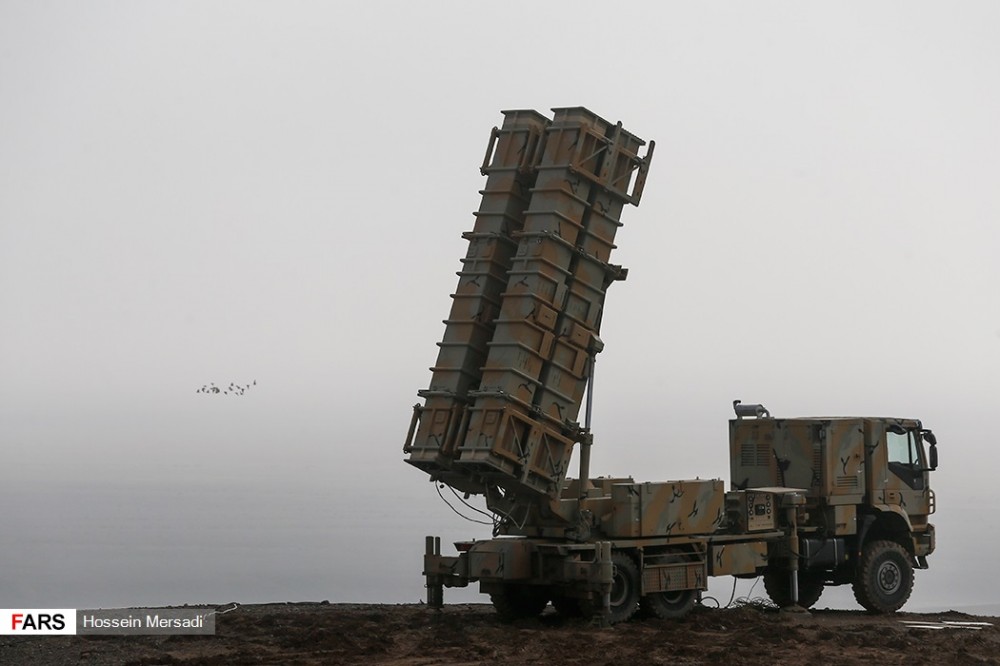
[(778, 585), (519, 601), (884, 578), (669, 605), (624, 588)]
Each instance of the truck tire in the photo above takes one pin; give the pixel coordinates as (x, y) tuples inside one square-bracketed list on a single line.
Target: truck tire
[(669, 605), (778, 585), (624, 588), (515, 602), (884, 578)]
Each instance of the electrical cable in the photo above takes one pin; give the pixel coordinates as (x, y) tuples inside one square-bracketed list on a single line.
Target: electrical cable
[(733, 595), (760, 603), (496, 523), (717, 604), (463, 501), (471, 520)]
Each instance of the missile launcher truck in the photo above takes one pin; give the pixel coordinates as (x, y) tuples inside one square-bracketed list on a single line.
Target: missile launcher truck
[(812, 501)]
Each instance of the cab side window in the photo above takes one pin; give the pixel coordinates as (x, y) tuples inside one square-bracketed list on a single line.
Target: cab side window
[(904, 458)]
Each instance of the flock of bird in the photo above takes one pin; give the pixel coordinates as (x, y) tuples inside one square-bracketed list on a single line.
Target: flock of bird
[(232, 389)]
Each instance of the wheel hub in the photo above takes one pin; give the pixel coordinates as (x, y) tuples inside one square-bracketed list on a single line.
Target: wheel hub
[(889, 577)]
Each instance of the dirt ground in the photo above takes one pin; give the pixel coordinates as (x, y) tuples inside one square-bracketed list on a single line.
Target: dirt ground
[(413, 635)]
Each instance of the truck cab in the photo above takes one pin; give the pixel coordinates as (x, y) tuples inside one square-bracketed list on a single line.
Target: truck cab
[(865, 520)]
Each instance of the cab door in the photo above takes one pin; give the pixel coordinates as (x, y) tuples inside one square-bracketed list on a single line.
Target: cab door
[(905, 477)]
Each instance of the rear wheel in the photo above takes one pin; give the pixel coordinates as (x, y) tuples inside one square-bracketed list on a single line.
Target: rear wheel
[(884, 578), (778, 585), (624, 588), (514, 602), (669, 605)]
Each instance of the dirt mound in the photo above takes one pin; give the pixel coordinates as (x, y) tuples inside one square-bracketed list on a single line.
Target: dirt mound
[(411, 635)]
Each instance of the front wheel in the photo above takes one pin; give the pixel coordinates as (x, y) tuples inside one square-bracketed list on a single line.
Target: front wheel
[(884, 578)]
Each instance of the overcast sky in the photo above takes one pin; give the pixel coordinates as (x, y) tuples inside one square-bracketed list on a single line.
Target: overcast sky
[(198, 192)]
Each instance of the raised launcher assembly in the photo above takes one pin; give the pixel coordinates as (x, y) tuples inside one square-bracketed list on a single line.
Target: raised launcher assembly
[(813, 502), (505, 394)]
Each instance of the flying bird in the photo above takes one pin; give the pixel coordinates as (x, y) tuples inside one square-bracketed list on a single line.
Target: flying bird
[(233, 388)]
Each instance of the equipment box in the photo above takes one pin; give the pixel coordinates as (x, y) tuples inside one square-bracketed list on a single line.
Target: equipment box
[(669, 508)]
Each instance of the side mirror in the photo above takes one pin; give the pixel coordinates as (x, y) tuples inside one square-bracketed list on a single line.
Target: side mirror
[(932, 457)]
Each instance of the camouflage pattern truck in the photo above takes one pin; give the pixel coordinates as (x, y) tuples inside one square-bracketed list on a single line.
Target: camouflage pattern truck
[(812, 501)]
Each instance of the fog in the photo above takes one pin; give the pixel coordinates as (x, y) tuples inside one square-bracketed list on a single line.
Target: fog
[(273, 195)]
